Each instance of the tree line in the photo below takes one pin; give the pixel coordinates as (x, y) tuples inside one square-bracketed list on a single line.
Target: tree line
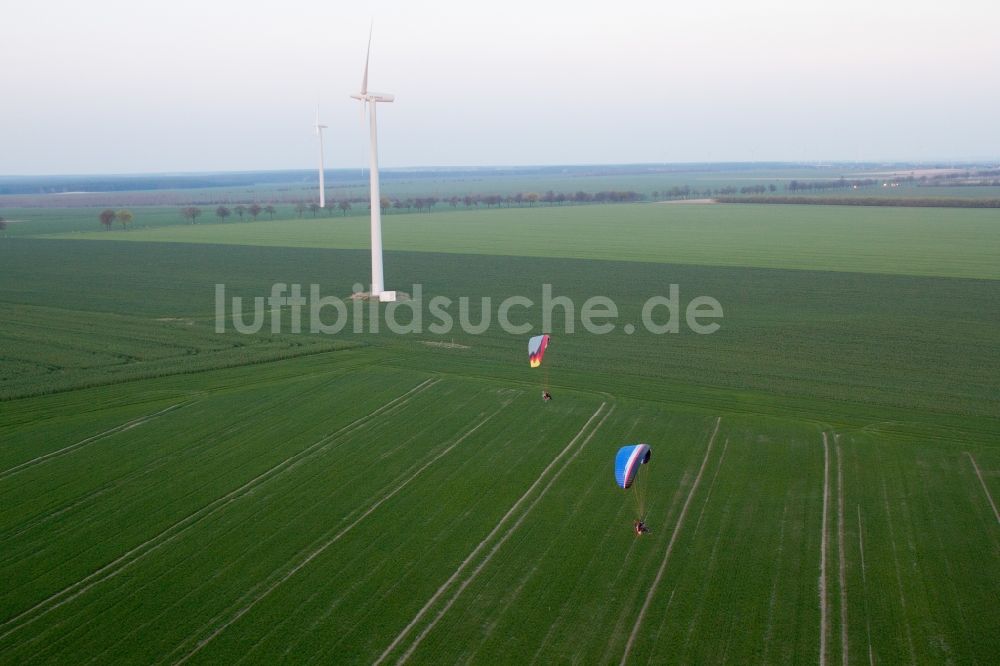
[(192, 213), (867, 201), (838, 184), (410, 204)]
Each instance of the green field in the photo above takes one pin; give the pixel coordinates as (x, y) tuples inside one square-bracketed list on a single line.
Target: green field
[(957, 243), (823, 483)]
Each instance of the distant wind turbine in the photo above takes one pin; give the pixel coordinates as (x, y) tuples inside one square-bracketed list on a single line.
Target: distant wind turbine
[(322, 185), (373, 98)]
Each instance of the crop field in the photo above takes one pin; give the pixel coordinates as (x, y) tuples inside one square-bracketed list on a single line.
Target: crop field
[(824, 481), (366, 513), (948, 242)]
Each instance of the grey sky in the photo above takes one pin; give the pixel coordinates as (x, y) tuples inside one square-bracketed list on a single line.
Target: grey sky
[(146, 86)]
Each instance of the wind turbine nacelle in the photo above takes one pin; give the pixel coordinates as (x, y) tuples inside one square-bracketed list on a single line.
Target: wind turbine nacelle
[(373, 97)]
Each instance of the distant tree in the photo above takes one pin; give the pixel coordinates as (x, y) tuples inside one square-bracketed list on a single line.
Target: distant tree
[(419, 203), (314, 208), (107, 218), (269, 209), (124, 217), (254, 210), (771, 188), (3, 224), (532, 198), (384, 203), (561, 198), (453, 202), (222, 213), (470, 201), (397, 204), (299, 208), (344, 205), (240, 210), (190, 213), (430, 202)]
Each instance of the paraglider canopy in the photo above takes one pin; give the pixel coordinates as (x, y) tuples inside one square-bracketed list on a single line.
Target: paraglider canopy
[(627, 463), (536, 349)]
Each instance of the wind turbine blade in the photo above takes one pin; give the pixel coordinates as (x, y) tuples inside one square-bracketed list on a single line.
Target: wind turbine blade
[(368, 53)]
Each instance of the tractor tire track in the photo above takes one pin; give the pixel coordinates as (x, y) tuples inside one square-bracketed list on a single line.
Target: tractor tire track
[(899, 575), (134, 423), (840, 553), (864, 588), (986, 490), (823, 600)]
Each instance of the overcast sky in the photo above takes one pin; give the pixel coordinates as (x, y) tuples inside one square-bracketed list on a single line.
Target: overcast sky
[(121, 86)]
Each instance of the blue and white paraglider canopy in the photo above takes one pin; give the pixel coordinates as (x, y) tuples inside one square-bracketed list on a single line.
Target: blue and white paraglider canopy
[(627, 463)]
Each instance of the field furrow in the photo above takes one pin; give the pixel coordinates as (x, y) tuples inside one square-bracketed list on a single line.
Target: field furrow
[(89, 440), (495, 532)]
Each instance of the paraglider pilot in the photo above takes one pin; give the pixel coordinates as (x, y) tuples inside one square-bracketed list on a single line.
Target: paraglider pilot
[(640, 528), (546, 396)]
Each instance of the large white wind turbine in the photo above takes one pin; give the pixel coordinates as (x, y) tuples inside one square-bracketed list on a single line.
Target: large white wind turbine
[(370, 101), (322, 185)]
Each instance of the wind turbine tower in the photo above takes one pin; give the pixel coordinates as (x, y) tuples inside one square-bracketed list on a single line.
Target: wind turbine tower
[(369, 101), (322, 185)]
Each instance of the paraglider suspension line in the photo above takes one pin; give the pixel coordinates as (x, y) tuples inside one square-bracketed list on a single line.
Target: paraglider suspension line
[(639, 494)]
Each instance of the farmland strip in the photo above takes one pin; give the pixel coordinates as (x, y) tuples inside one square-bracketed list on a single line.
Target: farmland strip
[(899, 575), (89, 440), (132, 556), (249, 592), (670, 546), (711, 486), (89, 497), (864, 585), (769, 633), (840, 553), (315, 553), (823, 601), (482, 544), (985, 489), (461, 588)]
